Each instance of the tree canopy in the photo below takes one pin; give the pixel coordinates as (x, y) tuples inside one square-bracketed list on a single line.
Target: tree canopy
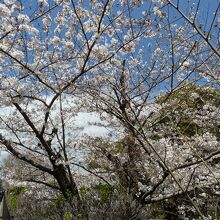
[(142, 76)]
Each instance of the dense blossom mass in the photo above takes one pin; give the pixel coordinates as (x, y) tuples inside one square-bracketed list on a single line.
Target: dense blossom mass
[(110, 105)]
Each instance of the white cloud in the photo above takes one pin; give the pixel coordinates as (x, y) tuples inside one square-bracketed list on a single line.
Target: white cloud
[(96, 131), (78, 125)]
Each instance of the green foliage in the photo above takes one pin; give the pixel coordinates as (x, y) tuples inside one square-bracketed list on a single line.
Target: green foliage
[(84, 190), (104, 191), (184, 96), (68, 215), (79, 216), (188, 127), (187, 99), (155, 137), (69, 195), (59, 202), (118, 147), (53, 182), (161, 216), (14, 196), (93, 164)]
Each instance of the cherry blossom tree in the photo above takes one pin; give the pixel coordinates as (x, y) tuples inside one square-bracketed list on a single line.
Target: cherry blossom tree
[(130, 62)]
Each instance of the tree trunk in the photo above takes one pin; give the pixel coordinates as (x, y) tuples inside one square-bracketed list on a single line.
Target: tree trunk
[(70, 191)]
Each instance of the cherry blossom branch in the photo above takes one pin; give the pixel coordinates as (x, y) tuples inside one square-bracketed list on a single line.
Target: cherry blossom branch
[(19, 155), (198, 30), (27, 68), (41, 182), (90, 171)]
